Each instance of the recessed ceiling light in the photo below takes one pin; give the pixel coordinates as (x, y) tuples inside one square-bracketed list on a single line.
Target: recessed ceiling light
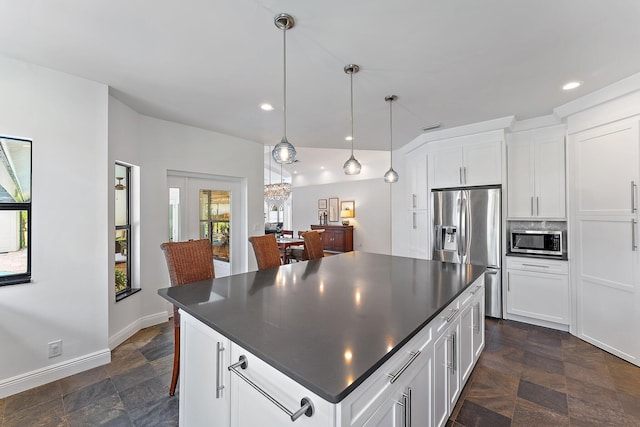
[(267, 107), (322, 167), (348, 138), (295, 172), (571, 85)]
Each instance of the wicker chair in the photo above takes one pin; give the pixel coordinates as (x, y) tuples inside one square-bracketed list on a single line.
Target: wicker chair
[(187, 262), (313, 244), (266, 250)]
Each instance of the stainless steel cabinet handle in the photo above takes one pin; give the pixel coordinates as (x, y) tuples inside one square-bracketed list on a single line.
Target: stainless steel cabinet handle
[(394, 377), (477, 288), (454, 351), (460, 173), (535, 265), (219, 386), (634, 206), (634, 245), (452, 315), (537, 206), (414, 200), (413, 219), (306, 406), (407, 407), (478, 318), (531, 205), (465, 174)]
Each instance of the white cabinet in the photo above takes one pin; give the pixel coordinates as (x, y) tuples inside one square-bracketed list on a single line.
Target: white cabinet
[(223, 384), (204, 380), (467, 165), (419, 234), (536, 174), (605, 169), (471, 331), (538, 289), (416, 180)]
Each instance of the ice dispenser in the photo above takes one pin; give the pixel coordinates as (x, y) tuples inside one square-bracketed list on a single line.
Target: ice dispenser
[(446, 238)]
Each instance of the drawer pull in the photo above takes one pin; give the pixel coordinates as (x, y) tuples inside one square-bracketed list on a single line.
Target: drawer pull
[(306, 406), (473, 292), (535, 265), (451, 316), (394, 377), (219, 387)]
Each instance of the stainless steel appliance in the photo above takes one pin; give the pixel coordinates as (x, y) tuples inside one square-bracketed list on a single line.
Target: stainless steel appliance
[(539, 242), (467, 231)]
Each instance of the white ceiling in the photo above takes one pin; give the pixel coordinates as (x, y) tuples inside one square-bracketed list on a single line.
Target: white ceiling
[(211, 63)]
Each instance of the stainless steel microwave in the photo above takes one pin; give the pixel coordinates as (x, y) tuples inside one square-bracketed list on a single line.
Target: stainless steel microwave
[(538, 242)]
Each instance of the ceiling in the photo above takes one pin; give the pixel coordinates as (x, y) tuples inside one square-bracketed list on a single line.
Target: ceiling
[(211, 63)]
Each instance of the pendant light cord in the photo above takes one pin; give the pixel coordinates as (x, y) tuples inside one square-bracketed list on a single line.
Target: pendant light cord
[(391, 130), (284, 66), (352, 138)]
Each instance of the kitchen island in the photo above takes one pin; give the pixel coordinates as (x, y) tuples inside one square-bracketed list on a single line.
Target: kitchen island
[(337, 341)]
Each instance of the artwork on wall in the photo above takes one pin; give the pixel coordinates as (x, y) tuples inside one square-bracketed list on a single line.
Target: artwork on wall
[(322, 203), (334, 212)]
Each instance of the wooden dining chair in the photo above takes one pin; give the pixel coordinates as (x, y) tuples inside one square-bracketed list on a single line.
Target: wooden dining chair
[(313, 244), (288, 233), (266, 250), (187, 262)]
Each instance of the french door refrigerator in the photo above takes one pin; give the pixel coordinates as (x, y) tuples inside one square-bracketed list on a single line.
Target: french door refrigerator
[(466, 224)]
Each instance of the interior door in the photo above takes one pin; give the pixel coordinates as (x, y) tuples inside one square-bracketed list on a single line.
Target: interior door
[(606, 163), (198, 210)]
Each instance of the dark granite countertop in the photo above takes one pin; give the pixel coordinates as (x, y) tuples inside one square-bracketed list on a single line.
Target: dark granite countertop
[(303, 318)]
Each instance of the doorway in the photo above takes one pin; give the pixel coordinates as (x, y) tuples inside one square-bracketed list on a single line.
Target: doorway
[(210, 207)]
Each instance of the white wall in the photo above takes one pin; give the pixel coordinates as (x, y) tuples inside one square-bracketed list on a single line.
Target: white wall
[(157, 146), (372, 222), (66, 117)]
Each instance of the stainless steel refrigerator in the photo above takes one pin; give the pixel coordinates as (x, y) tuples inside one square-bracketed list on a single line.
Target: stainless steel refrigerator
[(467, 231)]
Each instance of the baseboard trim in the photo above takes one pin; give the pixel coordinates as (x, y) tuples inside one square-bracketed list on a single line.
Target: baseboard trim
[(55, 372), (143, 322)]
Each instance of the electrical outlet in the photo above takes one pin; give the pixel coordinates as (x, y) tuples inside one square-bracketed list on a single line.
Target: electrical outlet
[(55, 348)]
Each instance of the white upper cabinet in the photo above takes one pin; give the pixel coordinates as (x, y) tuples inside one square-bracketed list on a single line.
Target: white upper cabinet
[(469, 164), (536, 174)]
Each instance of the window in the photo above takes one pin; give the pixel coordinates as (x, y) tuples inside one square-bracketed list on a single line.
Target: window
[(123, 232), (15, 211)]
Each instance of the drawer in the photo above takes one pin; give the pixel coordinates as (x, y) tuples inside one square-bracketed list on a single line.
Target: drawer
[(538, 265)]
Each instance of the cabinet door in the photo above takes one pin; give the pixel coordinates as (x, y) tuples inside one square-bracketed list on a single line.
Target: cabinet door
[(520, 178), (338, 241), (605, 164), (454, 373), (202, 369), (440, 379), (327, 240), (482, 164), (538, 295), (447, 168), (419, 391), (465, 345), (389, 414), (418, 235), (549, 179), (416, 185), (478, 325)]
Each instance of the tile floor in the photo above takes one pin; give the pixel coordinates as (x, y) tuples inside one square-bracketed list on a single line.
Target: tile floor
[(526, 376)]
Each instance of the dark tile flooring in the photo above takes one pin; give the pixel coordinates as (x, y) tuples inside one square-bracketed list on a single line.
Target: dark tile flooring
[(526, 376)]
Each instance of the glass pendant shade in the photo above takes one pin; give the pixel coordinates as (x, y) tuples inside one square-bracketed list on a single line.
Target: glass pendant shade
[(391, 176), (352, 166), (284, 152)]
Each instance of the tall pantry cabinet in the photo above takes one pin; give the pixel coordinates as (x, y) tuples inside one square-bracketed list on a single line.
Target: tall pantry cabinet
[(605, 173)]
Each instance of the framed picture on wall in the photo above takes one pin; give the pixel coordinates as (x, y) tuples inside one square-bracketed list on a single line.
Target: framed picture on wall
[(334, 210), (322, 203)]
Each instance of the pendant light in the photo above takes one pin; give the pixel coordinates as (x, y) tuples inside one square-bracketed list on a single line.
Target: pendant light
[(284, 152), (391, 176), (351, 166)]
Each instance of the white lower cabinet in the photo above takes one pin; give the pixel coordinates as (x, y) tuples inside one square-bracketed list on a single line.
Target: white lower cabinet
[(538, 291), (204, 380), (418, 386)]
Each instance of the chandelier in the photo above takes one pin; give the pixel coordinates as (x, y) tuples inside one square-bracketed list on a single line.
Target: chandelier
[(277, 192)]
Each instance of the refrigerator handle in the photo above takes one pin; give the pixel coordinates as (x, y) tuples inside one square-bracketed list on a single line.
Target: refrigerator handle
[(468, 228), (462, 227), (460, 230)]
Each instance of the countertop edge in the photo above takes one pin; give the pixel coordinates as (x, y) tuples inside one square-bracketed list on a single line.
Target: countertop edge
[(334, 399)]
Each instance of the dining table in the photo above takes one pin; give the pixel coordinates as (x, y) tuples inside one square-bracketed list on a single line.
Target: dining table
[(286, 242)]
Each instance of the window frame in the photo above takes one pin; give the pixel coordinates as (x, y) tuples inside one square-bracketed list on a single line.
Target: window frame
[(14, 279), (129, 290)]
